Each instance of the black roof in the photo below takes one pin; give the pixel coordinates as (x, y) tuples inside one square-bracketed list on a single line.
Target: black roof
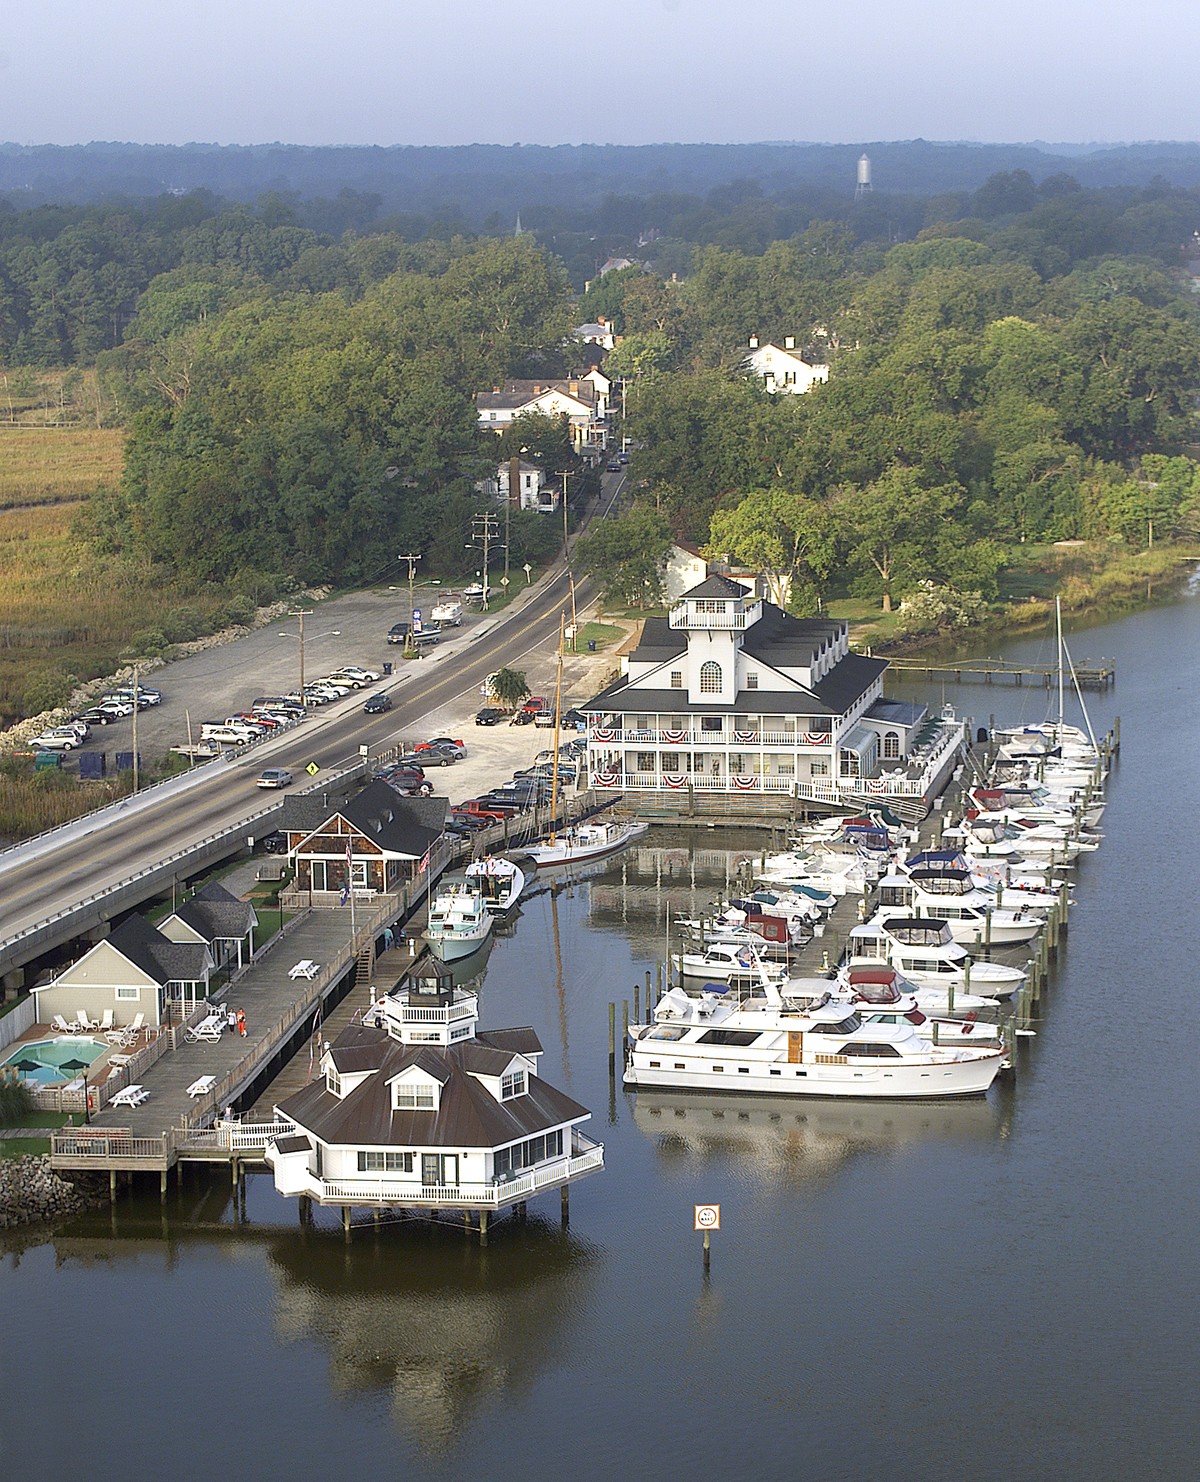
[(158, 957), (468, 1114), (398, 825), (717, 586), (833, 695), (214, 912)]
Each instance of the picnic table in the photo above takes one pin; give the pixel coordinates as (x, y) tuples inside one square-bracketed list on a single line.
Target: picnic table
[(305, 968)]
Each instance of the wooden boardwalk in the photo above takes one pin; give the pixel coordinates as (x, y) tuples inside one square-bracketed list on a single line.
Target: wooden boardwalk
[(1100, 675)]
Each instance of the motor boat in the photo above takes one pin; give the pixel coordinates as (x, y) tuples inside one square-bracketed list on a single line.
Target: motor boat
[(459, 920), (723, 962), (973, 915), (500, 880), (770, 1044), (923, 950)]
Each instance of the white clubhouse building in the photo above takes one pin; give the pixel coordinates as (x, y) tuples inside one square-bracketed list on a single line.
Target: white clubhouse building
[(731, 694)]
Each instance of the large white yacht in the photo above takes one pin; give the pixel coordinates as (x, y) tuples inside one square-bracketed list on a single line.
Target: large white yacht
[(774, 1045), (952, 896)]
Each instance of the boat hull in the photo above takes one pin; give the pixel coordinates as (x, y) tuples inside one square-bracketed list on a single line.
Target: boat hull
[(550, 856), (930, 1082)]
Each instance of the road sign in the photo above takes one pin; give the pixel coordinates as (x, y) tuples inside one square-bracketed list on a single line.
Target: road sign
[(708, 1217), (312, 769), (504, 581)]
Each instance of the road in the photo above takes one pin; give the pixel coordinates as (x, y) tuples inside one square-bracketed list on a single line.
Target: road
[(62, 871)]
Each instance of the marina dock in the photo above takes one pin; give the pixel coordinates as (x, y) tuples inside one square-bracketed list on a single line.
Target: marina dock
[(1098, 675)]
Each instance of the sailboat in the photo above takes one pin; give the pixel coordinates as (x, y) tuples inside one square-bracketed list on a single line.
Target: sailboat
[(582, 841)]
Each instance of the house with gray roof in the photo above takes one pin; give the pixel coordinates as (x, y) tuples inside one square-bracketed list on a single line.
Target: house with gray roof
[(730, 694), (135, 970), (417, 1108), (217, 918)]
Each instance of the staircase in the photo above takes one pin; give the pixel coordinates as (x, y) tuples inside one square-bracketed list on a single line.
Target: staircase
[(364, 965)]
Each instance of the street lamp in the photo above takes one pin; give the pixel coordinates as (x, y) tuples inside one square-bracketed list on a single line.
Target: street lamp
[(302, 613)]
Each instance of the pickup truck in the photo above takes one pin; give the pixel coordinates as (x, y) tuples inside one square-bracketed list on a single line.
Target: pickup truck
[(497, 812)]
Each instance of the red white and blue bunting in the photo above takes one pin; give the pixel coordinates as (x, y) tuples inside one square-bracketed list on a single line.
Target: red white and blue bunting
[(603, 733), (744, 737), (674, 779), (876, 784), (674, 737), (815, 738), (745, 783), (604, 779)]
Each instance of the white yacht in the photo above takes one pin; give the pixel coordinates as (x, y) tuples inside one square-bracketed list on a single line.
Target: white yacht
[(500, 880), (459, 920), (952, 896), (771, 1044), (879, 995), (923, 950), (584, 841)]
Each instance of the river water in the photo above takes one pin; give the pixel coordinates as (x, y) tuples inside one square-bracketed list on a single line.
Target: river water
[(998, 1289)]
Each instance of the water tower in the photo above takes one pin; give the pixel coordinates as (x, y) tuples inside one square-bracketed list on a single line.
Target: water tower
[(862, 183)]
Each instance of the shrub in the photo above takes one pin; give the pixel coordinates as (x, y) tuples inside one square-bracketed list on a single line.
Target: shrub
[(15, 1103), (150, 643), (240, 610), (182, 624), (931, 608), (46, 690)]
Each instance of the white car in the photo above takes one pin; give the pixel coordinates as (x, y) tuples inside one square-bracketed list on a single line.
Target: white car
[(275, 777), (364, 676)]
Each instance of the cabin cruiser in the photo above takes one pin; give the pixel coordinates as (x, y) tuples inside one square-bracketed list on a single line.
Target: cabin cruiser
[(922, 949), (973, 915), (459, 920), (722, 962), (879, 995), (772, 1044), (825, 870), (500, 880), (584, 841)]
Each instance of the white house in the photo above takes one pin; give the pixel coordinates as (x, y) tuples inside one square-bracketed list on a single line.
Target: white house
[(600, 333), (783, 370), (582, 400), (536, 490), (685, 569), (731, 694), (416, 1108), (135, 970)]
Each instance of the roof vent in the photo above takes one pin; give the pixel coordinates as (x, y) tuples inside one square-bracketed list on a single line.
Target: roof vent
[(754, 342)]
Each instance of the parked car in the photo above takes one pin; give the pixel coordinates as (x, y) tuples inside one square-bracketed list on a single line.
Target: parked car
[(490, 715), (437, 756), (274, 843), (574, 717), (470, 822), (481, 808), (544, 718), (534, 703), (377, 705), (57, 740), (364, 676), (118, 709), (98, 715), (443, 743), (622, 459), (275, 777)]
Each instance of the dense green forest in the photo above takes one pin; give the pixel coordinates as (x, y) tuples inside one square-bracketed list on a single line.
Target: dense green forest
[(1009, 364)]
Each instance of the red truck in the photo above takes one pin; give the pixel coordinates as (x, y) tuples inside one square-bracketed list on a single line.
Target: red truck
[(496, 812)]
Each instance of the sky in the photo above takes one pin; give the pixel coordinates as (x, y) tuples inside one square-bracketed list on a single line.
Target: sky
[(621, 71)]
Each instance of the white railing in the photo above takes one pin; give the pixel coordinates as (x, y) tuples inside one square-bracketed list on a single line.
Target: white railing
[(77, 1142), (711, 740), (653, 782), (478, 1195), (681, 617), (445, 1015)]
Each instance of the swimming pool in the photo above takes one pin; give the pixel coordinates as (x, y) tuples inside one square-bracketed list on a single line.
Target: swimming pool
[(52, 1054)]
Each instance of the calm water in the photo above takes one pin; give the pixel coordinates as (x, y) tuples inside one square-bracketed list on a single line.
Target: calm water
[(995, 1290)]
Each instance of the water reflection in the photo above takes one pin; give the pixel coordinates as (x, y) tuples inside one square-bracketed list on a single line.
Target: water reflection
[(445, 1329), (790, 1141)]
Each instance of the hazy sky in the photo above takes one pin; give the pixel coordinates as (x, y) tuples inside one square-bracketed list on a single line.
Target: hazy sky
[(619, 71)]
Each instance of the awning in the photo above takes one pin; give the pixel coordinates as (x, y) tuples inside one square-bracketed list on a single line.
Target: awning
[(860, 741)]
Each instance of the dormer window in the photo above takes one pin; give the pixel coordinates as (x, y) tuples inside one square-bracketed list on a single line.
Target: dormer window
[(333, 1082), (513, 1084), (410, 1096)]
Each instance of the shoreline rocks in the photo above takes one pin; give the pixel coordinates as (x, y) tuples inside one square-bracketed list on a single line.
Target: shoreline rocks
[(30, 1192)]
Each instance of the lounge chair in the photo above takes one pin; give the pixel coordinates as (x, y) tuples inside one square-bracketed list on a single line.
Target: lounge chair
[(106, 1021), (132, 1031), (83, 1021), (60, 1025)]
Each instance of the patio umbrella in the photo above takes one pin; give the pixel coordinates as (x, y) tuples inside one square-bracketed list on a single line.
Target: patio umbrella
[(26, 1064), (74, 1066)]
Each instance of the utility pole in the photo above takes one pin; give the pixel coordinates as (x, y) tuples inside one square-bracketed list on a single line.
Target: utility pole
[(412, 567), (567, 562), (302, 613), (136, 692), (485, 529)]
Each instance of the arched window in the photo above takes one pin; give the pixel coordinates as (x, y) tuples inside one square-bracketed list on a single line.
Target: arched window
[(891, 745), (710, 678)]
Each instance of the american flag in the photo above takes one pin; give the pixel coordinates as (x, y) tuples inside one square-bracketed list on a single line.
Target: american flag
[(424, 865)]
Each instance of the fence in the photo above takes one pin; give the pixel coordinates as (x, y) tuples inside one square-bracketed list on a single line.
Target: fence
[(17, 1021)]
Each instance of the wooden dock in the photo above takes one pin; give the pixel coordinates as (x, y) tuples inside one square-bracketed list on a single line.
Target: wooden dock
[(1099, 675)]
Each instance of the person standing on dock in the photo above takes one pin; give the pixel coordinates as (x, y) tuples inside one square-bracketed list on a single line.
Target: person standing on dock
[(241, 1022)]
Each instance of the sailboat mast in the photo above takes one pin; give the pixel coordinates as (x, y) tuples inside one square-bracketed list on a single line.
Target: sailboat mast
[(1061, 664), (562, 620)]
